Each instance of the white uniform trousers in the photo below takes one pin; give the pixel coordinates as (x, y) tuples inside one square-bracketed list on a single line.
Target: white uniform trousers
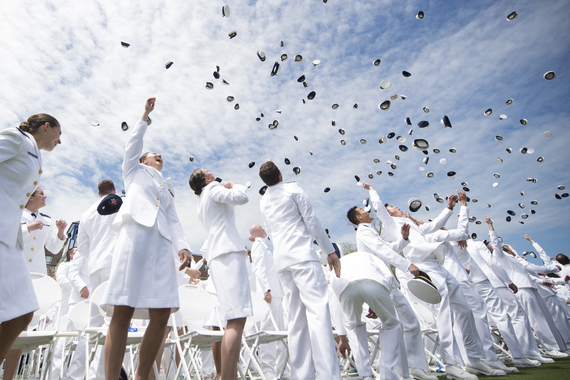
[(453, 301), (97, 368), (559, 316), (518, 317), (273, 356), (480, 314), (540, 319), (390, 334), (412, 330), (311, 343)]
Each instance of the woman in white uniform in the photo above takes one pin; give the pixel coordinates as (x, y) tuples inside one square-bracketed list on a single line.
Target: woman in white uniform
[(143, 274), (226, 259), (20, 171)]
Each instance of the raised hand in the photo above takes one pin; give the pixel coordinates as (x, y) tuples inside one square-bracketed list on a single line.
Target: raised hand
[(367, 186), (405, 231), (462, 197), (451, 201)]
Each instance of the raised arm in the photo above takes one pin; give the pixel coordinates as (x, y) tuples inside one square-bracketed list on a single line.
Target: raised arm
[(382, 250), (236, 195), (387, 220), (437, 223), (546, 260), (134, 147)]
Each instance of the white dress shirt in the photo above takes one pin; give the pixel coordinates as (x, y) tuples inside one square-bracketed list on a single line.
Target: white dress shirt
[(516, 272), (96, 238), (368, 240), (291, 223), (35, 241), (419, 249), (264, 268), (217, 215), (20, 170), (150, 197)]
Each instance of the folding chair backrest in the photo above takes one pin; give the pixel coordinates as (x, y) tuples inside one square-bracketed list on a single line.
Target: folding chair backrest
[(195, 303), (97, 297), (260, 308), (79, 315), (424, 314), (47, 291)]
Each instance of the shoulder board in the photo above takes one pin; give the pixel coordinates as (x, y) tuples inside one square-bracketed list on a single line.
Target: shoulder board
[(44, 215), (291, 182)]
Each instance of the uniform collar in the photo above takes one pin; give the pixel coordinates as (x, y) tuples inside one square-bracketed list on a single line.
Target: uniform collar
[(31, 214)]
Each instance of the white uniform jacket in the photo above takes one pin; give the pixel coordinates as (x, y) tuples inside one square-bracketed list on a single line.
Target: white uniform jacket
[(359, 266), (419, 249), (291, 223), (490, 268), (516, 272), (78, 277), (449, 239), (35, 241), (216, 213), (264, 269), (96, 238), (147, 192), (20, 170), (368, 240)]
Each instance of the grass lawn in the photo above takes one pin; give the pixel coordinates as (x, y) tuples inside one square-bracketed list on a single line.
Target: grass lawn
[(560, 370)]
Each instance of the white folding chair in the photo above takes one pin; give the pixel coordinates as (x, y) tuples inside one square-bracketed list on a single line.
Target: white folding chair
[(196, 304), (48, 293), (253, 341)]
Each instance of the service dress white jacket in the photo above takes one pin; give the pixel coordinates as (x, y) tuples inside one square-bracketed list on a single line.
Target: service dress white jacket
[(96, 238), (35, 241), (291, 223), (20, 171), (264, 268)]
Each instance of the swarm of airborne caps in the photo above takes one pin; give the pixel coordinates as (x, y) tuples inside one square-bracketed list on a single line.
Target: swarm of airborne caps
[(419, 144)]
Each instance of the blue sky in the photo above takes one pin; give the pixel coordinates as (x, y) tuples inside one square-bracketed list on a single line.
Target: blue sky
[(65, 58)]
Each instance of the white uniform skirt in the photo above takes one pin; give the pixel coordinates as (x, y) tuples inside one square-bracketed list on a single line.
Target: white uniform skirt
[(143, 273), (229, 274), (17, 296)]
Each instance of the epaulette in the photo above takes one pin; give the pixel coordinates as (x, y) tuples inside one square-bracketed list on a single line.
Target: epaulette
[(22, 132), (44, 215)]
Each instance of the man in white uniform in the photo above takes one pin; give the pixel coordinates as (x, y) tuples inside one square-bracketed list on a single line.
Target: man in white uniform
[(429, 257), (39, 231), (143, 275), (528, 296), (368, 240), (364, 280), (291, 223), (96, 241), (273, 356)]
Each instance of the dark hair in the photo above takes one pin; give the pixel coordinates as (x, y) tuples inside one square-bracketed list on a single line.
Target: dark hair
[(562, 259), (269, 173), (143, 157), (106, 187), (352, 214), (197, 181), (386, 205), (35, 121)]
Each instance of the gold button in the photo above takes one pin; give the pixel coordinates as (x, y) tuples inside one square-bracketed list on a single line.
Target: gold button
[(40, 172), (28, 195), (32, 249), (21, 207), (36, 183), (30, 260), (157, 198), (34, 238), (160, 185), (155, 205)]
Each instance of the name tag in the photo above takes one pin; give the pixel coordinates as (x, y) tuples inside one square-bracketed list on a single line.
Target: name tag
[(33, 155)]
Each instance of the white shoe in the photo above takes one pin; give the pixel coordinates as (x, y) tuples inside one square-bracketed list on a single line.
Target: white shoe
[(457, 373), (556, 354), (525, 362), (420, 374), (482, 368), (499, 365), (541, 359)]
